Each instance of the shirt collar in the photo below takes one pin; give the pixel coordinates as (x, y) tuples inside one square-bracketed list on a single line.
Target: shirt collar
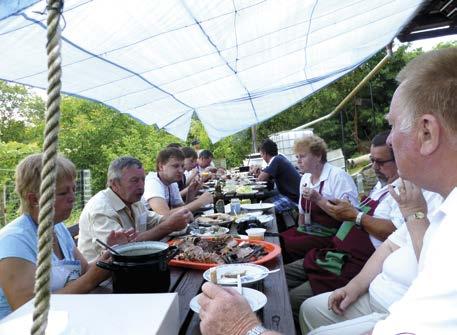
[(325, 172), (114, 200), (448, 205)]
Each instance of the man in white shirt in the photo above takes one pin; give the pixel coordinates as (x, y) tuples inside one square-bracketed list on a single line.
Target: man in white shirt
[(423, 115), (161, 191), (424, 139), (119, 206)]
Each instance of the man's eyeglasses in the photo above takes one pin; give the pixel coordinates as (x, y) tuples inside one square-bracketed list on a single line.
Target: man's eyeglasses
[(380, 162)]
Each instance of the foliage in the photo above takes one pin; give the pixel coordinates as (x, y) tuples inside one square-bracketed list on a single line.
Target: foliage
[(21, 114), (92, 135), (341, 130)]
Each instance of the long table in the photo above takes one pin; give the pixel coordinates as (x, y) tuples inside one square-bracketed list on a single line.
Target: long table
[(276, 315)]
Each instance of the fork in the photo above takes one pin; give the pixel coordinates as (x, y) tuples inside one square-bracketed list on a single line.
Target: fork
[(238, 284)]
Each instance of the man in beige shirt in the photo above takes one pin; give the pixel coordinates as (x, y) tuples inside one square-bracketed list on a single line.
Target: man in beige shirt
[(119, 206)]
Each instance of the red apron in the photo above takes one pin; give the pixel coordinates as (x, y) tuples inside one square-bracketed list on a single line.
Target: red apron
[(334, 266), (297, 243)]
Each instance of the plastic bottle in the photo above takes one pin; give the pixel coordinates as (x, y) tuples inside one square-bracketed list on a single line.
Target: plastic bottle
[(359, 179)]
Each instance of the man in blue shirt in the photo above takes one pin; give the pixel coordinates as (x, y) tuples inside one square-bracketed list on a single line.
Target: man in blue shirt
[(286, 177)]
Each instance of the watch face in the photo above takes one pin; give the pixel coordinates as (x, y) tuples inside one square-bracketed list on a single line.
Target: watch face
[(419, 215)]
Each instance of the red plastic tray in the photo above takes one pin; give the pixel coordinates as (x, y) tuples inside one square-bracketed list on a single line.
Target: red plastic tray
[(272, 249)]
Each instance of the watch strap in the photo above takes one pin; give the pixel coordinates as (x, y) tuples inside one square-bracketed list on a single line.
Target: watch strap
[(358, 220), (257, 330), (415, 216)]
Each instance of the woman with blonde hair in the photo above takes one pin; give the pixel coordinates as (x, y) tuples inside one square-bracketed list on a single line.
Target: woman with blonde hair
[(321, 182), (70, 271)]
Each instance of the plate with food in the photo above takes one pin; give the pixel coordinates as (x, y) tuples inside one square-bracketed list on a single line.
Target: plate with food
[(263, 218), (245, 190), (256, 207), (203, 253), (226, 274), (211, 231), (256, 300), (214, 219)]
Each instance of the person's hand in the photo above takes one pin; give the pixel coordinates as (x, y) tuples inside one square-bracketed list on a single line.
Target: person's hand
[(97, 274), (178, 220), (255, 170), (311, 194), (121, 236), (342, 210), (409, 198), (195, 185), (224, 311), (206, 198), (341, 299)]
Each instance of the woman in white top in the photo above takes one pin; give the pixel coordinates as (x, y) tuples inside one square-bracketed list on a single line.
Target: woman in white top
[(321, 182)]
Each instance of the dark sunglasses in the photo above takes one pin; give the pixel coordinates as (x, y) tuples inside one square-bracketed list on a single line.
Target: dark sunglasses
[(380, 162)]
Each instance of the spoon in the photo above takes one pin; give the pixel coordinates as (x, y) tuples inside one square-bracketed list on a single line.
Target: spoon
[(273, 271), (107, 247)]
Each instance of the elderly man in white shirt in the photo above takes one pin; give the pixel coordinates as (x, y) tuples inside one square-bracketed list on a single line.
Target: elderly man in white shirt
[(424, 132), (120, 207)]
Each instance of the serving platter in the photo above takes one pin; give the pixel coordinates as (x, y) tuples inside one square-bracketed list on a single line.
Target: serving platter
[(272, 250)]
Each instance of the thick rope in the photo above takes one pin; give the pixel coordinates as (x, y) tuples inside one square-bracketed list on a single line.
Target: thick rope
[(48, 173)]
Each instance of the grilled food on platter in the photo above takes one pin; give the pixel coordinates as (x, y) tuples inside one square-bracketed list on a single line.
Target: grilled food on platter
[(219, 250)]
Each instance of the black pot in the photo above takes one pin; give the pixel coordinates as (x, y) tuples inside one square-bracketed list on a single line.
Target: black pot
[(140, 267)]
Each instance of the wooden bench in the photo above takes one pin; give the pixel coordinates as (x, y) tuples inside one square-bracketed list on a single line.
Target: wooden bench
[(74, 231)]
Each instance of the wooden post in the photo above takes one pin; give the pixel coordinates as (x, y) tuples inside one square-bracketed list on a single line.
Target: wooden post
[(3, 205)]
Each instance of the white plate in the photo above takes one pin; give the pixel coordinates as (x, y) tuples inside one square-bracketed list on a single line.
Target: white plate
[(221, 231), (253, 273), (263, 218), (258, 187), (255, 298), (255, 207)]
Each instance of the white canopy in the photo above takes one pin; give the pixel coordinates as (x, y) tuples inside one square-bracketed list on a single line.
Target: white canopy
[(234, 63)]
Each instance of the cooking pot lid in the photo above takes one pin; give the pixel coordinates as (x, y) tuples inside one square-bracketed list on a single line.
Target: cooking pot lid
[(143, 248)]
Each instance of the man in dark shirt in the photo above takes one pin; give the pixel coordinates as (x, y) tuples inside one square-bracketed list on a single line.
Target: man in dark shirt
[(286, 177)]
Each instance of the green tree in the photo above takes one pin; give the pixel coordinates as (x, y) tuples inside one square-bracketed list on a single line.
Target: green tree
[(21, 114)]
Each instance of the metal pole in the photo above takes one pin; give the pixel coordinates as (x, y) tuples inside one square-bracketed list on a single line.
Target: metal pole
[(353, 92), (254, 138)]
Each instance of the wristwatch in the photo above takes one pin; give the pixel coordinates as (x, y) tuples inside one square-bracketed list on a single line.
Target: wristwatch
[(358, 220), (415, 216), (257, 330)]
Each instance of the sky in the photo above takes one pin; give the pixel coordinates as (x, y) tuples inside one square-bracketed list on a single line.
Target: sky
[(429, 43)]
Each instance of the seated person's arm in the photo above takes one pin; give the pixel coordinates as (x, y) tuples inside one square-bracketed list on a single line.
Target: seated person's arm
[(263, 176), (162, 226), (17, 278), (159, 205), (342, 298), (343, 210), (191, 177), (91, 275)]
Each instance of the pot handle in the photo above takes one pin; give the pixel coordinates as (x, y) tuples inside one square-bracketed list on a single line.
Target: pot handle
[(107, 266), (172, 252)]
